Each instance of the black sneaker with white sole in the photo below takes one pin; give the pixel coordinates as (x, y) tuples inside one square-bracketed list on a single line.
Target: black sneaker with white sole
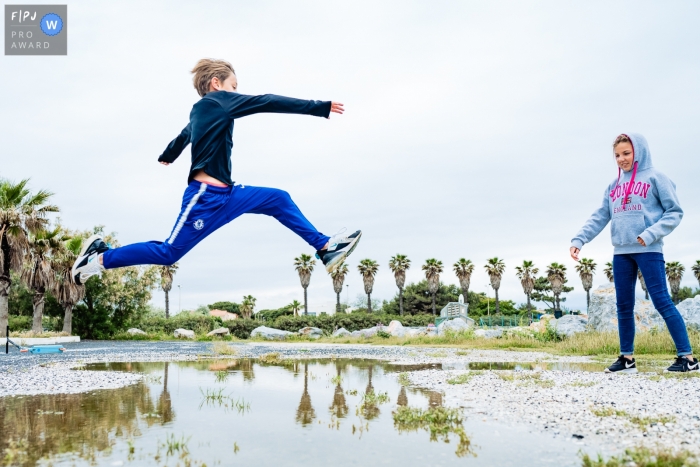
[(339, 247), (622, 365), (684, 364), (87, 264)]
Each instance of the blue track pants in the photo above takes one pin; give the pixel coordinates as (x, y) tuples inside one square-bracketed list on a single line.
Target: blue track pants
[(205, 208)]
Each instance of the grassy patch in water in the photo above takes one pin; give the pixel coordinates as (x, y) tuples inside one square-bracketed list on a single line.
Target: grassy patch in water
[(464, 378), (439, 422), (272, 358), (643, 457), (403, 379)]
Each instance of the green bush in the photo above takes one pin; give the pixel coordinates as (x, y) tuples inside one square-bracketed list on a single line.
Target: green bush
[(200, 324), (241, 328), (20, 323)]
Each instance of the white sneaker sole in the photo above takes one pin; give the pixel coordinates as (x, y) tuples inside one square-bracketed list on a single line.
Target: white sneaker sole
[(335, 262), (86, 245), (627, 370)]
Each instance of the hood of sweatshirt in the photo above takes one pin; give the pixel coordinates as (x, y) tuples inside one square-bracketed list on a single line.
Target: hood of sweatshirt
[(642, 156)]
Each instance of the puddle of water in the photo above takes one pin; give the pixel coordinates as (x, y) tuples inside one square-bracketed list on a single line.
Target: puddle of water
[(315, 412)]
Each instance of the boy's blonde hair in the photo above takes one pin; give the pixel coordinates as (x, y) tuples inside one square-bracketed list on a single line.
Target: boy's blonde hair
[(621, 139), (208, 68)]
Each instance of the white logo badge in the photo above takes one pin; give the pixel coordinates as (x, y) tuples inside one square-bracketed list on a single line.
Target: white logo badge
[(199, 224)]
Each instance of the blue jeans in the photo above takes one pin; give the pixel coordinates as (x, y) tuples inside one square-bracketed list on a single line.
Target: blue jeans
[(653, 270), (206, 208)]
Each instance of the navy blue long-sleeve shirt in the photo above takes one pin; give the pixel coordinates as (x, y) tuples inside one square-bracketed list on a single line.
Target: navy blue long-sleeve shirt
[(211, 127)]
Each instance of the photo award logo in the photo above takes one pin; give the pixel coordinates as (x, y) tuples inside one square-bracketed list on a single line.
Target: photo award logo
[(36, 29)]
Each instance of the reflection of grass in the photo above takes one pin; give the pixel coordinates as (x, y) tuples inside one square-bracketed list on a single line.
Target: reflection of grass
[(403, 379), (216, 397), (211, 396), (15, 453), (464, 377), (272, 358), (174, 445), (644, 457), (221, 376), (440, 422)]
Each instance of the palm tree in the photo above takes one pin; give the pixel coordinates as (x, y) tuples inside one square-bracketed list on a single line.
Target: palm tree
[(433, 268), (67, 292), (556, 275), (248, 305), (609, 271), (674, 273), (643, 283), (495, 267), (586, 268), (696, 270), (166, 283), (295, 305), (304, 265), (338, 276), (399, 264), (463, 269), (526, 273), (38, 272), (20, 212), (368, 268)]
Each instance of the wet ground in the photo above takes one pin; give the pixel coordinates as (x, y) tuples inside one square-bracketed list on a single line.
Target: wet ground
[(220, 412)]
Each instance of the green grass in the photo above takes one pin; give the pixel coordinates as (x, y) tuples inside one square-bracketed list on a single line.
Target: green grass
[(464, 377), (608, 412), (221, 376), (222, 348), (403, 379), (526, 378), (641, 422), (272, 358), (337, 380), (582, 384), (643, 457), (439, 422)]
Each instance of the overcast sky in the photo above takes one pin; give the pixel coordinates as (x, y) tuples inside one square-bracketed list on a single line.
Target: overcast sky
[(473, 129)]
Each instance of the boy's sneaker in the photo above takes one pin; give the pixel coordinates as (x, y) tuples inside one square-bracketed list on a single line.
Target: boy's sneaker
[(622, 365), (88, 264), (339, 247), (684, 364)]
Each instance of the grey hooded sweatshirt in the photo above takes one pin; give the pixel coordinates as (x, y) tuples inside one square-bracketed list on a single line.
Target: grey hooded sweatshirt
[(651, 212)]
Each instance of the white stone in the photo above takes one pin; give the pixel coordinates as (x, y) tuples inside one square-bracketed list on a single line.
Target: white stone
[(690, 310), (184, 333), (453, 325), (342, 332), (488, 333), (219, 332), (602, 313), (568, 325), (270, 333), (312, 332), (135, 331), (365, 332), (415, 331), (396, 329)]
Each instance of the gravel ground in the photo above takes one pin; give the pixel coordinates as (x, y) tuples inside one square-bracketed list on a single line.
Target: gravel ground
[(631, 409)]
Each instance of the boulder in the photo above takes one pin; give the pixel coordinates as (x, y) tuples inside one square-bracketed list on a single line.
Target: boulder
[(365, 332), (342, 332), (184, 334), (415, 331), (690, 310), (219, 332), (454, 325), (602, 313), (270, 333), (488, 333), (568, 325), (134, 332), (312, 332), (396, 329)]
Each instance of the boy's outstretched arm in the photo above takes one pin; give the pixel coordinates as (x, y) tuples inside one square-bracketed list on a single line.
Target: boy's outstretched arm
[(176, 147), (241, 105)]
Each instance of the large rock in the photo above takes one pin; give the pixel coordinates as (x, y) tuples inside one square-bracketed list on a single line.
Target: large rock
[(135, 332), (270, 333), (488, 333), (184, 334), (312, 332), (453, 325), (396, 329), (365, 332), (602, 313), (690, 310), (418, 331), (342, 332), (219, 332), (568, 325)]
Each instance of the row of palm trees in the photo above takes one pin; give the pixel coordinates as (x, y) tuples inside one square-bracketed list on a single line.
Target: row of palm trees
[(463, 269)]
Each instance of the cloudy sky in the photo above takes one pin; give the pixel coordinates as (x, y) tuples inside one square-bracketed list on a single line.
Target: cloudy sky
[(473, 129)]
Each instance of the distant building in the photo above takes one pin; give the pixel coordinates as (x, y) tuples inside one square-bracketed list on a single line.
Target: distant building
[(224, 315)]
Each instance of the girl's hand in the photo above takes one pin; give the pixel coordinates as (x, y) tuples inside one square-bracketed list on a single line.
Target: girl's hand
[(165, 163), (574, 252), (640, 241), (337, 108)]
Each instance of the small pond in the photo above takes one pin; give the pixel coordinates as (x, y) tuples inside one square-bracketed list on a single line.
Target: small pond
[(312, 412)]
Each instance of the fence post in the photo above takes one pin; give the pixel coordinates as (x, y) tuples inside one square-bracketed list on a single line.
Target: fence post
[(7, 339)]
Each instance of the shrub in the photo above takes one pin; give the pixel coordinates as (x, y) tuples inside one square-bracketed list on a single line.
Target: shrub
[(200, 324), (20, 323), (241, 328)]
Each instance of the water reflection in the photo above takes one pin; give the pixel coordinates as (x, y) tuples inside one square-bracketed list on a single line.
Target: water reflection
[(305, 412), (339, 407)]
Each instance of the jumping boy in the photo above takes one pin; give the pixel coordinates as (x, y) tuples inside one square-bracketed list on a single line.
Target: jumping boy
[(212, 199)]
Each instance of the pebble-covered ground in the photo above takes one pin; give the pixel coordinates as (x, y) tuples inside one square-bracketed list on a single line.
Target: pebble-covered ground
[(647, 408)]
